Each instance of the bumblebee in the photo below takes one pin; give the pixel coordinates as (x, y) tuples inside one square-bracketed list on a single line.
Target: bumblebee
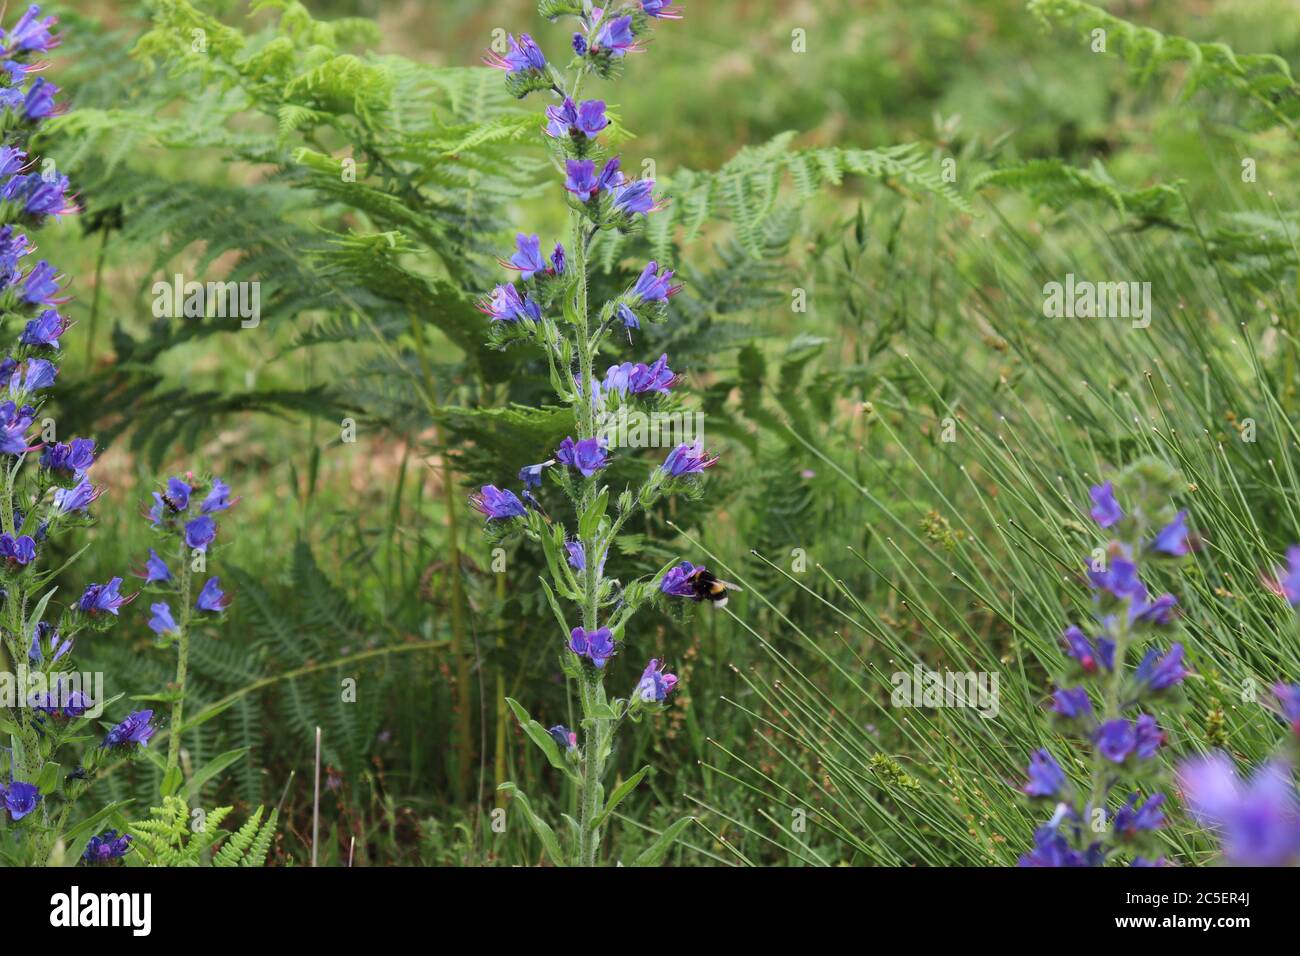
[(707, 587)]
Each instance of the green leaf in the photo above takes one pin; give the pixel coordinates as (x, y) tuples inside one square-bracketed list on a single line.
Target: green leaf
[(170, 781), (538, 735), (550, 842), (91, 824), (589, 523), (48, 781), (212, 768), (621, 791), (653, 854)]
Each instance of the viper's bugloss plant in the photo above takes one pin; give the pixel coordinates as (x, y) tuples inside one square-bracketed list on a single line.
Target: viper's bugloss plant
[(1104, 702), (549, 305), (51, 714), (182, 514)]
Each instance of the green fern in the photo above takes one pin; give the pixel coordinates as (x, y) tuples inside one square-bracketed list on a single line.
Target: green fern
[(176, 835)]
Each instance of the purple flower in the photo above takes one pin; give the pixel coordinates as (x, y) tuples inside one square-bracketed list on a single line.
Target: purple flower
[(615, 36), (39, 104), (1046, 777), (687, 460), (21, 799), (74, 457), (579, 44), (106, 847), (506, 305), (177, 495), (1116, 740), (1130, 819), (78, 498), (527, 259), (1172, 538), (1159, 611), (15, 420), (1105, 509), (1258, 823), (162, 622), (661, 9), (1288, 700), (17, 551), (1287, 583), (597, 645), (41, 286), (655, 288), (1053, 850), (498, 505), (531, 475), (38, 374), (588, 455), (1072, 703), (640, 378), (678, 581), (135, 729), (523, 56), (1147, 737), (45, 329), (611, 176), (654, 684), (212, 598), (103, 598), (200, 533), (1119, 578), (636, 196), (30, 34), (565, 737), (44, 634), (557, 260), (580, 178), (630, 321), (578, 557), (218, 498), (1159, 672), (584, 119)]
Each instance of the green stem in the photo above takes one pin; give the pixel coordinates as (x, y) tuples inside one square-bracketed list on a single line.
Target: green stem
[(182, 664)]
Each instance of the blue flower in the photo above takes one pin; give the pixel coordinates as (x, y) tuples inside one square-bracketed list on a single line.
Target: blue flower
[(498, 505), (507, 305), (20, 799), (523, 56), (580, 178), (103, 598), (661, 9), (30, 34), (1130, 819), (1046, 778), (1258, 822), (177, 495), (134, 730), (1051, 849), (162, 622), (528, 256), (212, 598), (1148, 738), (1116, 740), (587, 455), (654, 684), (200, 532), (638, 379), (563, 736), (1172, 539), (40, 287), (677, 582), (597, 646), (1072, 703), (15, 420), (636, 196), (615, 37), (651, 287), (77, 498), (584, 119), (1105, 509), (74, 457), (531, 475), (1160, 672), (1288, 700), (45, 329), (106, 847), (19, 551), (687, 460), (218, 498)]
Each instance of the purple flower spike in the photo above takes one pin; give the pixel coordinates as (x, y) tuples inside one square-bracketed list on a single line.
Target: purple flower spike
[(597, 646), (1046, 778), (588, 455), (106, 847)]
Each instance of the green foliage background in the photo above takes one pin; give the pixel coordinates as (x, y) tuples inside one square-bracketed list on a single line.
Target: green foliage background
[(863, 541)]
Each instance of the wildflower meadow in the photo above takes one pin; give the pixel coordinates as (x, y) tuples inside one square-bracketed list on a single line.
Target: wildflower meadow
[(528, 434)]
